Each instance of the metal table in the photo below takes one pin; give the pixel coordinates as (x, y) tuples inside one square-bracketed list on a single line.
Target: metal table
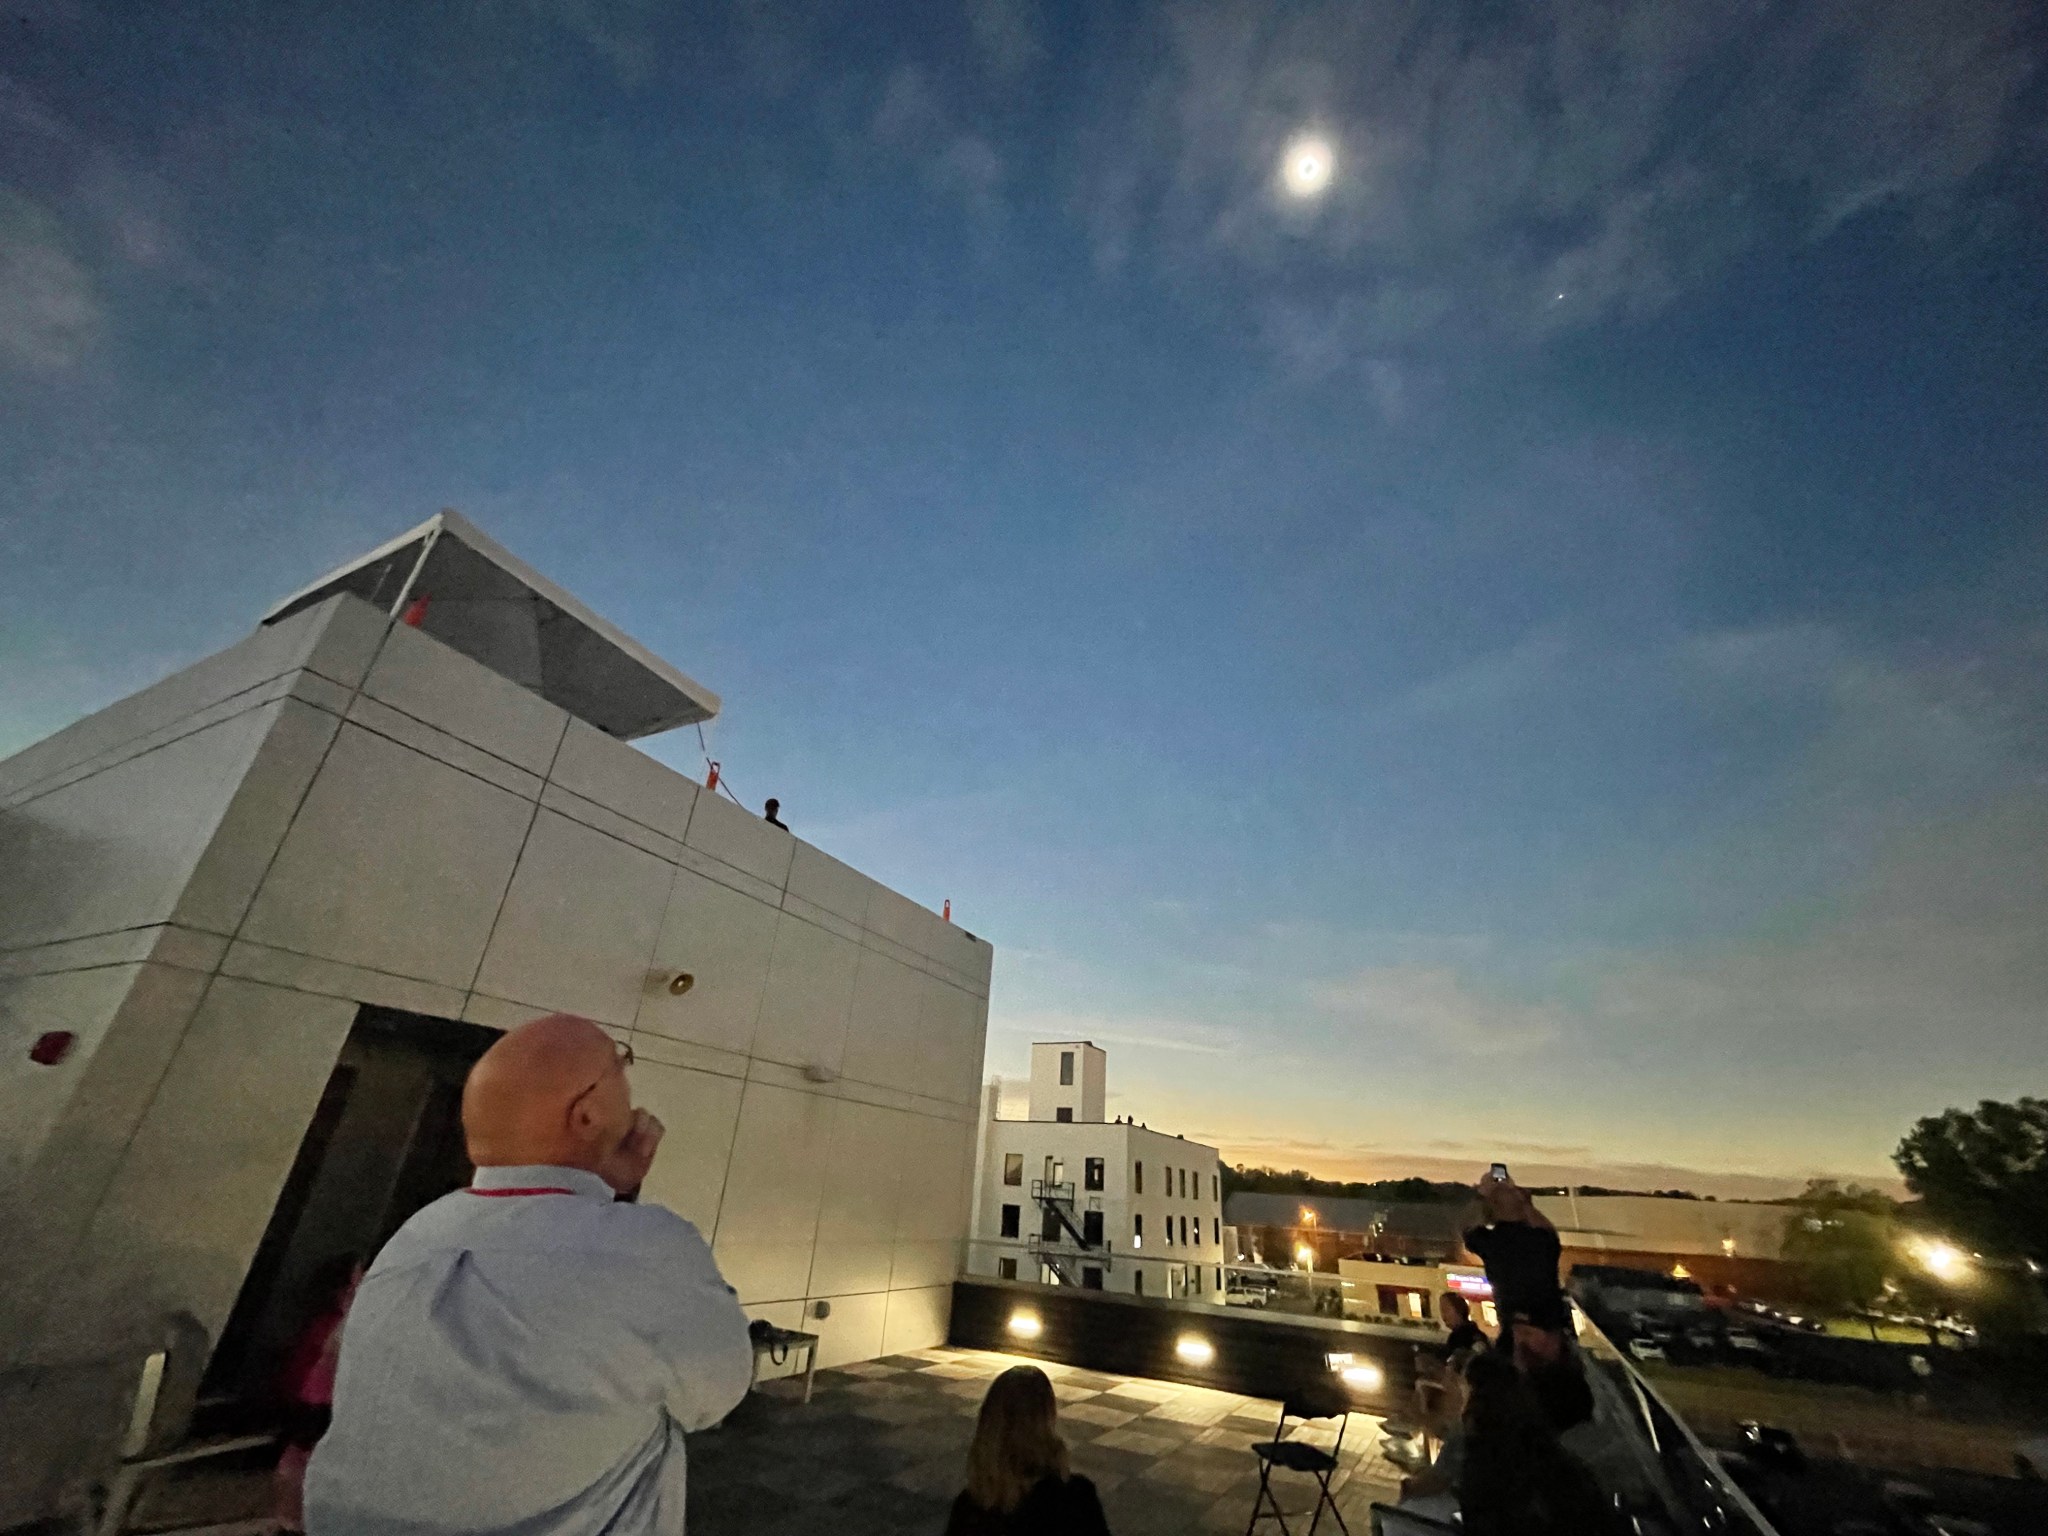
[(780, 1342)]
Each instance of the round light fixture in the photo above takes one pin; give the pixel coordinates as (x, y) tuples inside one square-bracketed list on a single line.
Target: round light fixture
[(680, 983)]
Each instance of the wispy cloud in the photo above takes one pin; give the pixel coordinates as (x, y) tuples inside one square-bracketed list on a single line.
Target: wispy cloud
[(1440, 1004), (1521, 172), (74, 214), (913, 118), (1163, 1032), (50, 310)]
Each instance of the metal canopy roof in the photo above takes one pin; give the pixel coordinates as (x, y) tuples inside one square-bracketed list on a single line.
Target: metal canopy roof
[(451, 582)]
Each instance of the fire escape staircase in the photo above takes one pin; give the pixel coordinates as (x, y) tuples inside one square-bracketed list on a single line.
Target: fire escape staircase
[(1059, 1241)]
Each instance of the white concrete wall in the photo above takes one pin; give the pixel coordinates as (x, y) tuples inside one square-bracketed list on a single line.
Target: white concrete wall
[(1122, 1148), (1084, 1097), (337, 812)]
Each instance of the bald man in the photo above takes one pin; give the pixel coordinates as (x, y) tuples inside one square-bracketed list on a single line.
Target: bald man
[(526, 1354)]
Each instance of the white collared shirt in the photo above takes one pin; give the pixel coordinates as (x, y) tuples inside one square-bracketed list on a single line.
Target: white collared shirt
[(523, 1359)]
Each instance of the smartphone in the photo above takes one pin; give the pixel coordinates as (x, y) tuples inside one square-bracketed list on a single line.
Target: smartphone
[(1500, 1171)]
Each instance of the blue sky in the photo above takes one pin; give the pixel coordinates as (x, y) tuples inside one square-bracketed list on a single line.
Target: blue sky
[(1535, 649)]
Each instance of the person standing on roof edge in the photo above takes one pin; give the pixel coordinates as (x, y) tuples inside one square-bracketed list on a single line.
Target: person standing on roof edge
[(526, 1354)]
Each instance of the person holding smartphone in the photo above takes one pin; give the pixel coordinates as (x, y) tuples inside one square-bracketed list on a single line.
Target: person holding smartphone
[(1521, 1251)]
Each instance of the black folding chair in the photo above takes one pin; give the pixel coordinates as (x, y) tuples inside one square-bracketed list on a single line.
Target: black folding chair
[(1319, 1400)]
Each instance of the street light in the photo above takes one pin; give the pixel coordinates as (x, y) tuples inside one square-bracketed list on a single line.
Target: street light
[(1305, 1256)]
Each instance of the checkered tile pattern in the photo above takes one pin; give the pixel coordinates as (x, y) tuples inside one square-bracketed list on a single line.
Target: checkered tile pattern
[(882, 1447)]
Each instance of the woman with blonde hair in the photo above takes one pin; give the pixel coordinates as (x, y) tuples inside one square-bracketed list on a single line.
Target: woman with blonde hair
[(1017, 1478)]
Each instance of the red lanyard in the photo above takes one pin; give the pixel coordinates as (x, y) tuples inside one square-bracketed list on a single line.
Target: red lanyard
[(504, 1194)]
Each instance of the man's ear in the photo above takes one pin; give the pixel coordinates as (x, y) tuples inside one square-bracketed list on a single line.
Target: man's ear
[(583, 1119)]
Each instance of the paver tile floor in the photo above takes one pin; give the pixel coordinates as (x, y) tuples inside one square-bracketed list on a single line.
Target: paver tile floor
[(882, 1448)]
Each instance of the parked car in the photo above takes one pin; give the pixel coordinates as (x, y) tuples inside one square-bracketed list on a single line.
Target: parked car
[(1646, 1349), (1769, 1443)]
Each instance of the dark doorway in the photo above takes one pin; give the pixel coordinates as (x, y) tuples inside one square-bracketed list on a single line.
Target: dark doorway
[(385, 1141)]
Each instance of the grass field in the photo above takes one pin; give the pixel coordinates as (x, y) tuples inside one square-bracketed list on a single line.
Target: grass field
[(1847, 1422), (1887, 1333)]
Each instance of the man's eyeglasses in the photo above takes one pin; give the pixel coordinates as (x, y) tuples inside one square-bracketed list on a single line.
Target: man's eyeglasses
[(622, 1060)]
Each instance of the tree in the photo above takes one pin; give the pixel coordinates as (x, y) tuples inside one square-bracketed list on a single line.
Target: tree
[(1983, 1174), (1843, 1240)]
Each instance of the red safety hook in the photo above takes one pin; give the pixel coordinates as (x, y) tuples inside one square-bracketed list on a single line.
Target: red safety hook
[(712, 782), (949, 910)]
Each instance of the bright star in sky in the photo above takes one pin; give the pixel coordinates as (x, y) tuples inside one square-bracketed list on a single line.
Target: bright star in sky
[(1307, 165)]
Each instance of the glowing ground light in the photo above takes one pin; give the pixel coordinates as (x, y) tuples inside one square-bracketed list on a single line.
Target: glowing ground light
[(1307, 165), (1193, 1349), (1355, 1373), (1025, 1325)]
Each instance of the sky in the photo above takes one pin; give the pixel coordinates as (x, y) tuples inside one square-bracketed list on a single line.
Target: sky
[(1522, 638)]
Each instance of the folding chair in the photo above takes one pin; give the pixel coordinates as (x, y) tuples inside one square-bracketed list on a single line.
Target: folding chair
[(1318, 1400)]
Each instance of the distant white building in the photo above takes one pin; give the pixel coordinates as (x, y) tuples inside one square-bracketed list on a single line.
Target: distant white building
[(1065, 1197)]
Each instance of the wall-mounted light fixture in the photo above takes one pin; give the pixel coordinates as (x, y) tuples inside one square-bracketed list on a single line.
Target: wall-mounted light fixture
[(680, 983), (52, 1047), (1361, 1375), (1024, 1324), (1193, 1349)]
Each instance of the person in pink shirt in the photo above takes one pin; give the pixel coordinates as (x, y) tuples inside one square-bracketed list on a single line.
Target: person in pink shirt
[(306, 1384)]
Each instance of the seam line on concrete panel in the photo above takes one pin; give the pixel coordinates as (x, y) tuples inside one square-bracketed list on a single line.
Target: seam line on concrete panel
[(365, 723), (14, 965), (532, 819), (540, 780), (298, 808), (638, 821), (120, 1159), (245, 946), (128, 751), (103, 933), (571, 806)]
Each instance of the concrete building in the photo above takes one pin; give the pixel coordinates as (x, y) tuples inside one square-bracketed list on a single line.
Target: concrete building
[(1727, 1245), (257, 920), (1412, 1290), (1067, 1198), (1279, 1229)]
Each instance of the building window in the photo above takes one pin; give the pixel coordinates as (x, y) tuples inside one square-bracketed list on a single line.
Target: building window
[(1013, 1167), (1198, 1231), (1012, 1215), (1169, 1183), (1137, 1178), (1006, 1269), (1091, 1277), (1137, 1231), (1091, 1172), (1197, 1273), (1169, 1231), (1219, 1277), (1091, 1228), (1049, 1226), (1137, 1282), (1183, 1183), (1183, 1231), (1216, 1189), (1066, 1069), (1064, 1114)]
